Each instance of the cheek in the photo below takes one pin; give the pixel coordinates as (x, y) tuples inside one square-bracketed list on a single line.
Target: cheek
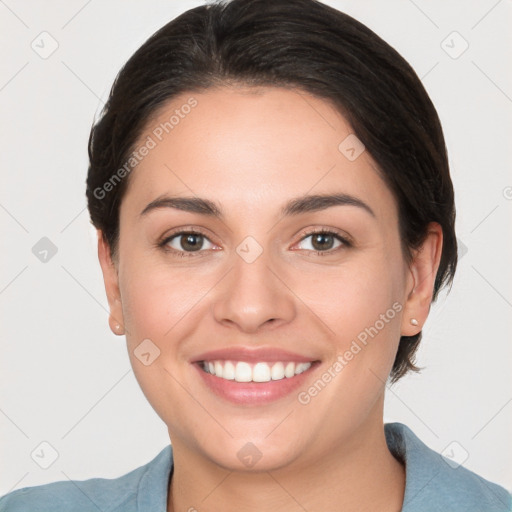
[(156, 298), (162, 305), (361, 304), (352, 296)]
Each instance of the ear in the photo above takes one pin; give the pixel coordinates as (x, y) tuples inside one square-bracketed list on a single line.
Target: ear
[(421, 277), (111, 280)]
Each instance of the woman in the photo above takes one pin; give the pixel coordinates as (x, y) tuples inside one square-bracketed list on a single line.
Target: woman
[(275, 215)]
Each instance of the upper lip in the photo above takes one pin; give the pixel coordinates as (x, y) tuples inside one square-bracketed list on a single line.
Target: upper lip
[(263, 354)]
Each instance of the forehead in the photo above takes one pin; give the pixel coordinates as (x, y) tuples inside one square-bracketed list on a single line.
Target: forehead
[(251, 148)]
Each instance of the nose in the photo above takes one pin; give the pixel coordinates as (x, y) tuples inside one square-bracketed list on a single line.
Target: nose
[(253, 297)]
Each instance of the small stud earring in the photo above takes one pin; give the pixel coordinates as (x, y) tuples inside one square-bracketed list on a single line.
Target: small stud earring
[(118, 327), (414, 321)]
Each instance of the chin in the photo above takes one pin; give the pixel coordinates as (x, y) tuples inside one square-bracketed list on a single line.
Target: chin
[(254, 457)]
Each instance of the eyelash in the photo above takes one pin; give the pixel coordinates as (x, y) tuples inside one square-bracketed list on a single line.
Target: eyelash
[(184, 254)]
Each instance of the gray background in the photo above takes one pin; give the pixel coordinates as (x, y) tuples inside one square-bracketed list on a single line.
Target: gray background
[(66, 380)]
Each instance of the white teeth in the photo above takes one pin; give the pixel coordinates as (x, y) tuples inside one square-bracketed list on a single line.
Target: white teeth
[(243, 372), (260, 372), (289, 371), (229, 371), (277, 371), (301, 367)]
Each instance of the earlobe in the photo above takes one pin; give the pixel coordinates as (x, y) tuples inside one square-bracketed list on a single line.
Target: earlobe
[(422, 272), (111, 282)]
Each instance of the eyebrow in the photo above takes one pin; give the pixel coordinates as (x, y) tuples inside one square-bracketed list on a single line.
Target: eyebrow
[(297, 206)]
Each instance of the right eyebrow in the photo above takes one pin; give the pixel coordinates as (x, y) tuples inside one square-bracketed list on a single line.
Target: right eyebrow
[(187, 204)]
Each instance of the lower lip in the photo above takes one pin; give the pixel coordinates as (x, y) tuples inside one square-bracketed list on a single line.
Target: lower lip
[(254, 393)]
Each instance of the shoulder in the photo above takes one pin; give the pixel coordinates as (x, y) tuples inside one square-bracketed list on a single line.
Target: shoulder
[(113, 495), (437, 483)]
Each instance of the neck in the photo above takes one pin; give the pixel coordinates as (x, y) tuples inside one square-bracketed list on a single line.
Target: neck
[(359, 475)]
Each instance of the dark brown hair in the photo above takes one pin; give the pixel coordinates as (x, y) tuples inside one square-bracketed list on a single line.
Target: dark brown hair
[(300, 44)]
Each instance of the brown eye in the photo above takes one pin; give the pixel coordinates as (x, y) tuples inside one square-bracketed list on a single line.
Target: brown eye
[(191, 242), (322, 241), (188, 242)]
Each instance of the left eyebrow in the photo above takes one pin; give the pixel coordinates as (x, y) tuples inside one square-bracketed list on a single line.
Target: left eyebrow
[(316, 203), (297, 206)]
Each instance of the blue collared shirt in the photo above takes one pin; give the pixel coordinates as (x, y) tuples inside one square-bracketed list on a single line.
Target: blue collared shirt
[(433, 484)]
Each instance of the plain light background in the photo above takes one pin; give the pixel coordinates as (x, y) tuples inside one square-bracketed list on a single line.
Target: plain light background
[(66, 380)]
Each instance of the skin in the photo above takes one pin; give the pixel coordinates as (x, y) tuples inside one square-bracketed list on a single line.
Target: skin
[(252, 150)]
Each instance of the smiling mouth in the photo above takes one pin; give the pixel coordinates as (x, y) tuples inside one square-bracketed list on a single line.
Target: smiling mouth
[(242, 371)]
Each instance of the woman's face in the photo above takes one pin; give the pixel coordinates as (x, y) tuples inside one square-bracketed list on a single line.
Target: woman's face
[(254, 289)]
